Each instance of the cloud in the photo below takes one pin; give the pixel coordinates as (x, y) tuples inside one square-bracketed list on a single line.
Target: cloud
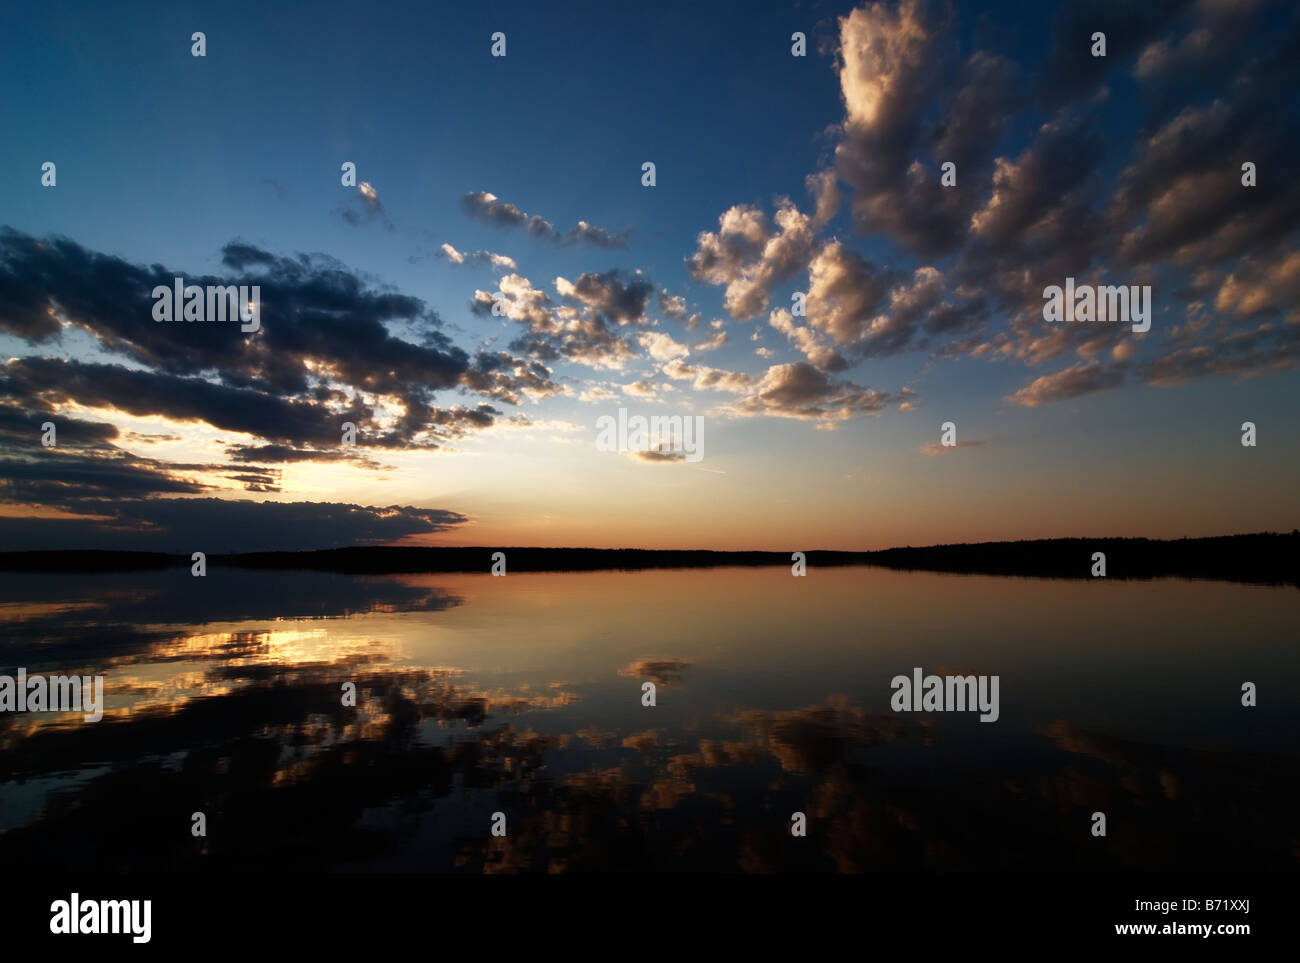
[(807, 340), (1181, 197), (662, 672), (672, 306), (719, 338), (492, 210), (1245, 353), (498, 262), (938, 448), (861, 310), (658, 457), (1071, 72), (1262, 286), (500, 375), (825, 192), (750, 258), (1080, 379), (326, 354), (661, 347), (609, 297), (585, 328), (705, 378), (887, 57), (800, 390), (212, 525), (287, 454), (366, 207)]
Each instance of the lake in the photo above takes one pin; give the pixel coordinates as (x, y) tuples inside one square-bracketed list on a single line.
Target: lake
[(523, 696)]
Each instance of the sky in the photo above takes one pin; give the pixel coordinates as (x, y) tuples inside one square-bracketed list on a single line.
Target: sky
[(518, 180)]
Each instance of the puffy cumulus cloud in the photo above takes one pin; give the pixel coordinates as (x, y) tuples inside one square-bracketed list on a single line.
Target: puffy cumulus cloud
[(801, 390), (598, 393), (705, 378), (749, 257), (584, 329), (884, 53), (844, 291), (862, 310), (1262, 285), (888, 78), (807, 340), (661, 347), (913, 299), (1059, 206), (518, 300), (718, 338), (672, 306), (498, 262), (610, 297), (491, 209), (645, 389)]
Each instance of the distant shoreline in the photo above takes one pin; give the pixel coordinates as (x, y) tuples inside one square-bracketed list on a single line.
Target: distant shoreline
[(1265, 558)]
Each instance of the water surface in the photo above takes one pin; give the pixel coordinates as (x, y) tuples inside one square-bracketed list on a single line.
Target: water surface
[(523, 695)]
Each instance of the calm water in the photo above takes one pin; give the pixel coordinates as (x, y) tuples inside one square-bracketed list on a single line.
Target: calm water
[(522, 695)]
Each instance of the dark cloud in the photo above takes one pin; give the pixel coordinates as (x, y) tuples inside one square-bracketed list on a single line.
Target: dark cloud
[(213, 525), (66, 479), (608, 296), (500, 375), (325, 339), (1071, 72)]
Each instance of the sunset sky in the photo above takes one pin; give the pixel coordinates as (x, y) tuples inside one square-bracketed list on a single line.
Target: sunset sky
[(522, 176)]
